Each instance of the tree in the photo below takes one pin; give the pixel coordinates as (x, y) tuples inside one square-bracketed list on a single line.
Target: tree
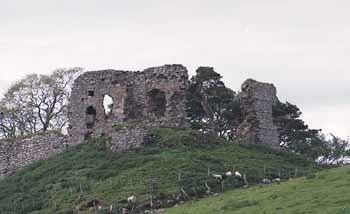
[(294, 133), (212, 107), (37, 103), (336, 150)]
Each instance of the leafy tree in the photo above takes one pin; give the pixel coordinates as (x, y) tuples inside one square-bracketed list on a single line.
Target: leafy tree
[(212, 107), (294, 133), (298, 137), (336, 151), (37, 103)]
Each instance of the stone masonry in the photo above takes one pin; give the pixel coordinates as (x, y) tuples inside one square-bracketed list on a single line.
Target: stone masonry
[(154, 97), (257, 99), (17, 154)]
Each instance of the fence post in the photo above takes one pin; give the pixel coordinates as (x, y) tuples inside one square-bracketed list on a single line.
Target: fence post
[(153, 183), (81, 189), (245, 180)]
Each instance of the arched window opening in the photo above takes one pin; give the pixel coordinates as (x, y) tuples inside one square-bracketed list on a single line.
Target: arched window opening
[(108, 104)]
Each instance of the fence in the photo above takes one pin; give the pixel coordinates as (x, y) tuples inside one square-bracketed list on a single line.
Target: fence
[(154, 192)]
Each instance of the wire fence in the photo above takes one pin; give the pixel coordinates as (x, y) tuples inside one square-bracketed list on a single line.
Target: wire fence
[(154, 192)]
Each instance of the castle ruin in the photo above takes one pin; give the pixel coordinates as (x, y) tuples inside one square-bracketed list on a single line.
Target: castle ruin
[(124, 105), (139, 101)]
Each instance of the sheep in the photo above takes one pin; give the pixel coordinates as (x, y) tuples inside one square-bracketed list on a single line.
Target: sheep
[(238, 174), (132, 202), (229, 174), (276, 180), (266, 181), (216, 176)]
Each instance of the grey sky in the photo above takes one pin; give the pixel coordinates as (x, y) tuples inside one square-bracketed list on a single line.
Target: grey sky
[(302, 46)]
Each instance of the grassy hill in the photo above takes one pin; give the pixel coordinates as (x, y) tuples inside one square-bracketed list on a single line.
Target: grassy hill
[(322, 193), (89, 175)]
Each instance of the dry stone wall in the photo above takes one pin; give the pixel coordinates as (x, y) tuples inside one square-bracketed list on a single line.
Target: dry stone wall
[(19, 153), (154, 97), (256, 100)]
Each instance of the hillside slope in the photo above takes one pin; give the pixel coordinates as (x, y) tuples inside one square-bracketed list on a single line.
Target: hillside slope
[(324, 193), (88, 175)]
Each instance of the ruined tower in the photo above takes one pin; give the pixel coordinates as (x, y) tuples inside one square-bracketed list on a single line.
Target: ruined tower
[(257, 100), (139, 101)]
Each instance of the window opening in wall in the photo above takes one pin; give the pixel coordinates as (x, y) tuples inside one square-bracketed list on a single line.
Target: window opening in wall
[(157, 102), (90, 117), (91, 93), (108, 104)]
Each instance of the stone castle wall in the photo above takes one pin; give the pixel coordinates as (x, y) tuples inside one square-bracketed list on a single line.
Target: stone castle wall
[(257, 100), (154, 97), (21, 152)]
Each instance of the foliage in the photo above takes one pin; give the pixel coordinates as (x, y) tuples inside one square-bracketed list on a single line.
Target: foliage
[(71, 180), (212, 107), (335, 151), (36, 103), (322, 193), (296, 136), (293, 131)]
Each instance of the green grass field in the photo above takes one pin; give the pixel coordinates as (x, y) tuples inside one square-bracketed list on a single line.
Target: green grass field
[(327, 192), (68, 182)]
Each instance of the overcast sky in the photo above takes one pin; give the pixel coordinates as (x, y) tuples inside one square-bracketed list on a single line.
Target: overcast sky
[(302, 46)]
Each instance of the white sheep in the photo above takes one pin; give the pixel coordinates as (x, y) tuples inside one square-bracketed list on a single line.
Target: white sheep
[(238, 174), (216, 176), (266, 181), (229, 174), (132, 200), (276, 180)]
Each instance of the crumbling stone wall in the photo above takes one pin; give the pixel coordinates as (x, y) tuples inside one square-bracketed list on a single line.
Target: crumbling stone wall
[(257, 99), (19, 153), (154, 97)]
